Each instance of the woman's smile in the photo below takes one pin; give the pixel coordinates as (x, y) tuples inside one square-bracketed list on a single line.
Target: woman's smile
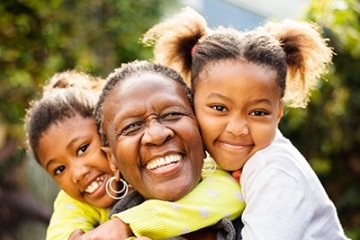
[(161, 136), (163, 162)]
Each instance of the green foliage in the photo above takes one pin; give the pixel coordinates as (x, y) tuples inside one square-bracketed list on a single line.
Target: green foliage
[(39, 38), (328, 131)]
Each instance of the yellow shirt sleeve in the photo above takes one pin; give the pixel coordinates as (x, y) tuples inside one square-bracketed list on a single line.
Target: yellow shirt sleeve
[(70, 214), (216, 197)]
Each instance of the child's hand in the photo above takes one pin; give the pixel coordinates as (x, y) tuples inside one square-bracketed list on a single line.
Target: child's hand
[(112, 229), (237, 174), (76, 234)]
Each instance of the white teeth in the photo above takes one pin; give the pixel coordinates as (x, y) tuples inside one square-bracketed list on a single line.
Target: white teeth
[(95, 184), (92, 187), (163, 161)]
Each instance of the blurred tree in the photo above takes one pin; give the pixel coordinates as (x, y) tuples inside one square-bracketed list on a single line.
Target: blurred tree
[(328, 131), (39, 38)]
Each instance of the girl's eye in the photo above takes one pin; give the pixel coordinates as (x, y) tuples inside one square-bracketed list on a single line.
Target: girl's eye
[(259, 113), (219, 108), (132, 128), (59, 170), (82, 149)]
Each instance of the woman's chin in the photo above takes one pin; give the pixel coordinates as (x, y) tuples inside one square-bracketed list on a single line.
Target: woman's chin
[(175, 190)]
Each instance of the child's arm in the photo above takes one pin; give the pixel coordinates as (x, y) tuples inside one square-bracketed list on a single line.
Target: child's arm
[(112, 229), (70, 214), (216, 197)]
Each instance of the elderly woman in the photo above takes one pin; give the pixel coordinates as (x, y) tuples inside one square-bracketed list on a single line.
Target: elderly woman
[(146, 121), (79, 166)]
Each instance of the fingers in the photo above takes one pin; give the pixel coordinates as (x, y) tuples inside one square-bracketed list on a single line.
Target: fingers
[(76, 234)]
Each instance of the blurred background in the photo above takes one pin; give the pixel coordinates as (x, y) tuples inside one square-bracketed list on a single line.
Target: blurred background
[(39, 38)]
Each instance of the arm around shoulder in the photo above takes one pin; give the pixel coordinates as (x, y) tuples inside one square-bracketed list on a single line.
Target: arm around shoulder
[(70, 214), (216, 197)]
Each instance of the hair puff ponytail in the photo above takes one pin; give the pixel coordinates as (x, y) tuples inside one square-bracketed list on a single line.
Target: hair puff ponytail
[(174, 40), (307, 57)]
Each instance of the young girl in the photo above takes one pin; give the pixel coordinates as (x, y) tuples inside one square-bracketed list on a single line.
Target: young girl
[(62, 136), (241, 82)]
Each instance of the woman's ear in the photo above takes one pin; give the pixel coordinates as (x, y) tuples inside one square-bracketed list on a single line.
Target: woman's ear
[(111, 159)]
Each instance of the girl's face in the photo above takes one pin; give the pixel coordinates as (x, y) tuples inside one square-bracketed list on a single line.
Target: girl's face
[(154, 137), (70, 151), (238, 107)]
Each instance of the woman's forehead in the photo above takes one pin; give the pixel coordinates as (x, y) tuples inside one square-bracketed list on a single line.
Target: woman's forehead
[(144, 84), (141, 91)]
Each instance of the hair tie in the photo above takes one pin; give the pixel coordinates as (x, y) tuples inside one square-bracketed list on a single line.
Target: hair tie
[(193, 49)]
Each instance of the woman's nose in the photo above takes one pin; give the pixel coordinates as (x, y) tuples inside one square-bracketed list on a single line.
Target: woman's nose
[(237, 127), (156, 133)]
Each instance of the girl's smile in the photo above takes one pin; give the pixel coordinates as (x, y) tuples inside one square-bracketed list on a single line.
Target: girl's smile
[(238, 107), (70, 151), (234, 146)]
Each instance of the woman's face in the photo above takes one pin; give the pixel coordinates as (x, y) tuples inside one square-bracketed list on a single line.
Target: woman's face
[(70, 151), (154, 136)]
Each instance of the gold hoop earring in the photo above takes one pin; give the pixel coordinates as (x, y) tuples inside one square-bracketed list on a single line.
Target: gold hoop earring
[(113, 193)]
